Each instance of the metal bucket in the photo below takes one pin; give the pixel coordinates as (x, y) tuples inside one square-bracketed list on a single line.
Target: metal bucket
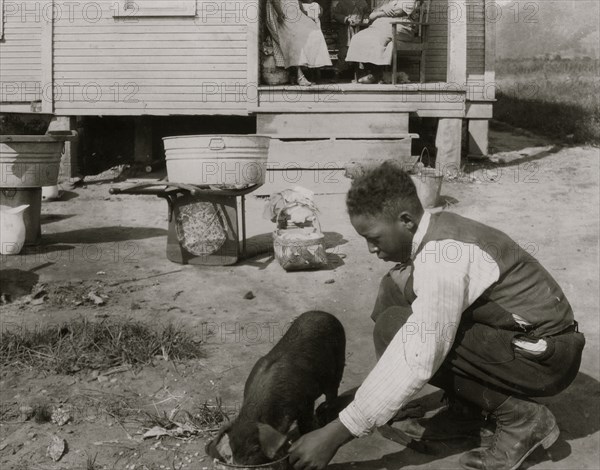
[(224, 160), (429, 184), (30, 161)]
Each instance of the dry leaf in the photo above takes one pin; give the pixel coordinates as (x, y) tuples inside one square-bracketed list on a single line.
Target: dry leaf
[(96, 298), (156, 431)]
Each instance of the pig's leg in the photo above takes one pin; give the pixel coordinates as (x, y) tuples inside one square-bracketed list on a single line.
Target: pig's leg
[(307, 421), (331, 394), (330, 409)]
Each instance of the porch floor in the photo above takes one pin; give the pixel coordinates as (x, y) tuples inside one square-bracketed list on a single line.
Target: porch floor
[(358, 87)]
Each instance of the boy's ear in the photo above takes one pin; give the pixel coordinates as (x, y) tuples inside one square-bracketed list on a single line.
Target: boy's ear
[(270, 439), (407, 219)]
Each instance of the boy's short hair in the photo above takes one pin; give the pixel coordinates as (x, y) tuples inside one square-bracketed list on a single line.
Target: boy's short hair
[(385, 190)]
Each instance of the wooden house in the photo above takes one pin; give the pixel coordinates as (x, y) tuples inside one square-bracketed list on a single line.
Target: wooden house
[(202, 57)]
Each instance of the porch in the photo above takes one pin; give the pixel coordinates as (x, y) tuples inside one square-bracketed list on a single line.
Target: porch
[(440, 99)]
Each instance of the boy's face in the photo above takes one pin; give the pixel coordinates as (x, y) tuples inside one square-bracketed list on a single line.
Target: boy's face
[(390, 240)]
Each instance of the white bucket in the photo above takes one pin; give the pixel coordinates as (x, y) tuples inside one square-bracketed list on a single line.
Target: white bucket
[(29, 161), (12, 229), (237, 160)]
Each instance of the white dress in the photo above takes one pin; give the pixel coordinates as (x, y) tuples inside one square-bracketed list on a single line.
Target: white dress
[(374, 44), (297, 40)]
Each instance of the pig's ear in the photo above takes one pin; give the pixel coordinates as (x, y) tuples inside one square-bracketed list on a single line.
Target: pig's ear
[(271, 440)]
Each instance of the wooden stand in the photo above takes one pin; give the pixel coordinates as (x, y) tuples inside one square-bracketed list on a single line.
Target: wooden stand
[(222, 203)]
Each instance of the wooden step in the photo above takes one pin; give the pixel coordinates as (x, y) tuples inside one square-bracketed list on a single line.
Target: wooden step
[(320, 165), (343, 125)]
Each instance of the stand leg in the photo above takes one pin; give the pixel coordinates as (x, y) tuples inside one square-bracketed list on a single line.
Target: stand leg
[(244, 227)]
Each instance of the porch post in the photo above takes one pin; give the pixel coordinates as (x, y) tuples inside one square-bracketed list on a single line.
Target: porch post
[(253, 39), (449, 134), (478, 137), (457, 43), (492, 13), (448, 142), (142, 147), (47, 54)]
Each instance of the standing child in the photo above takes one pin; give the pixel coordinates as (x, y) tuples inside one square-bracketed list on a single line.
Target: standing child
[(313, 10)]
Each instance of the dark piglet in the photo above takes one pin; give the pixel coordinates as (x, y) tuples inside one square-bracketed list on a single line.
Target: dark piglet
[(280, 393)]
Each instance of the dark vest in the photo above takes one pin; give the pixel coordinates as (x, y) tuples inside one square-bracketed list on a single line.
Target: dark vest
[(524, 287)]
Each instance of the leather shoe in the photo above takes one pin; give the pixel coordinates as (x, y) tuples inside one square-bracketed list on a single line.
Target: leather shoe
[(521, 427), (456, 420)]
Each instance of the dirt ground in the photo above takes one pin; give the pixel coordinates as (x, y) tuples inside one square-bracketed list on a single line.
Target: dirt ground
[(544, 195)]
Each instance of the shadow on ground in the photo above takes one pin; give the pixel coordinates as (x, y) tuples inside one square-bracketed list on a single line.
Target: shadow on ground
[(576, 412), (515, 157), (49, 218), (17, 282), (103, 235), (67, 196)]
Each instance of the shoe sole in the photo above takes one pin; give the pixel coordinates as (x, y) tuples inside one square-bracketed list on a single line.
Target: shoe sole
[(546, 443), (400, 437)]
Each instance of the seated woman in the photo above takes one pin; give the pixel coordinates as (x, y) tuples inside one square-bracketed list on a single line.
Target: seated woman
[(373, 46), (297, 40), (348, 15)]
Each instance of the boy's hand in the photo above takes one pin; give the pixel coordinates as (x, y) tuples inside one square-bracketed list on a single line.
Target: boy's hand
[(314, 450)]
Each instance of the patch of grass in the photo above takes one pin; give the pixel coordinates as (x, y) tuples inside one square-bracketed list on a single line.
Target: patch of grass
[(81, 345), (209, 416), (91, 462), (557, 98)]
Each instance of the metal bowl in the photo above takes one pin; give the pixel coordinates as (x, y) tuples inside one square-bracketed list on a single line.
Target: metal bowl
[(281, 464)]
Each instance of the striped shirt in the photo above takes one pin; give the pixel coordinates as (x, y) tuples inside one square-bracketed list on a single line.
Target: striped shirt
[(448, 276)]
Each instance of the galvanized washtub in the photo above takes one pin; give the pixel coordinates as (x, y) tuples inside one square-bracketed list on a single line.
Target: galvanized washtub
[(231, 160), (31, 161)]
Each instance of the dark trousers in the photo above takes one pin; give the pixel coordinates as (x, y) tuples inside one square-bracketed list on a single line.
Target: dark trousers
[(482, 366)]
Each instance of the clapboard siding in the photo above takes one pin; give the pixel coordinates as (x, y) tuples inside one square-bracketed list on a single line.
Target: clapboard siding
[(475, 37), (436, 59), (20, 54), (437, 48), (153, 65), (200, 65)]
